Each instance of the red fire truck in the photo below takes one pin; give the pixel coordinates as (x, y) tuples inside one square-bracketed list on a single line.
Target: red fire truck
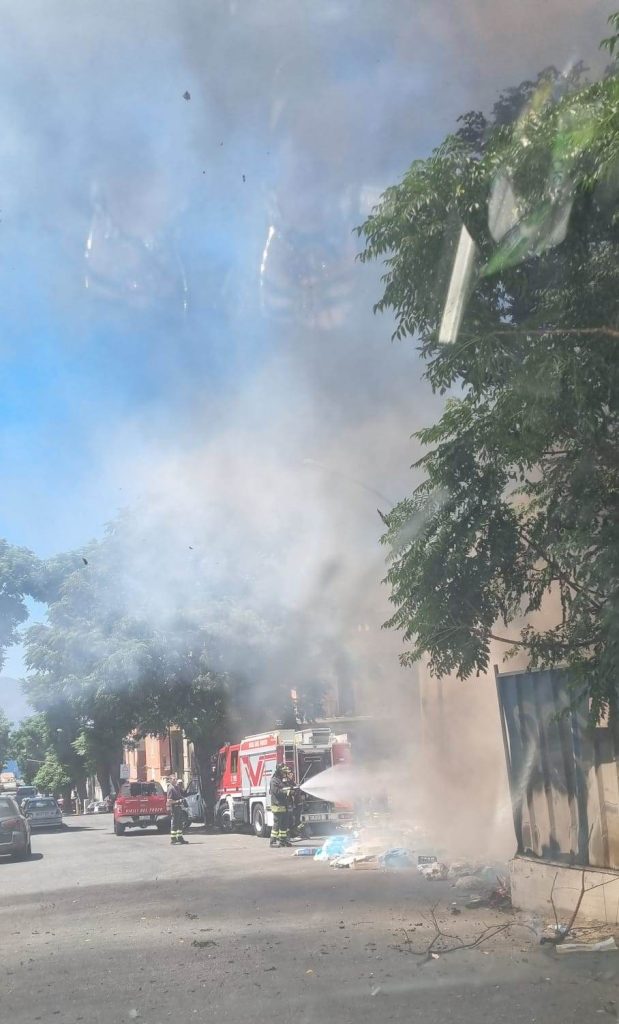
[(244, 771)]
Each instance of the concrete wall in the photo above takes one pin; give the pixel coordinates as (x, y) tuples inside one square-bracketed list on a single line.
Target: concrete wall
[(532, 883)]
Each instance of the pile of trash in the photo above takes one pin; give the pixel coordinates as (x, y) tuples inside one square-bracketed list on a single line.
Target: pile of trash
[(485, 884), (432, 869), (380, 844), (481, 885), (355, 851)]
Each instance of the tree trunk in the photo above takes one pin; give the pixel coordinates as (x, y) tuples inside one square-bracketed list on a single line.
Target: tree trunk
[(103, 778), (115, 763), (82, 793), (108, 771), (66, 798)]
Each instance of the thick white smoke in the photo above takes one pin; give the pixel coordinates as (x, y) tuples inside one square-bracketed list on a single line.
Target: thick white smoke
[(181, 182)]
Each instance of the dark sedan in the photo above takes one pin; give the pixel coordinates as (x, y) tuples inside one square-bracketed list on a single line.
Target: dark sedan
[(14, 830)]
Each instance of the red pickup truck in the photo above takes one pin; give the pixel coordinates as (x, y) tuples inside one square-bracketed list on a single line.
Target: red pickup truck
[(140, 804)]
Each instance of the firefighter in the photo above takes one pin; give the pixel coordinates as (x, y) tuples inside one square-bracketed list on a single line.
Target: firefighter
[(282, 786), (175, 810)]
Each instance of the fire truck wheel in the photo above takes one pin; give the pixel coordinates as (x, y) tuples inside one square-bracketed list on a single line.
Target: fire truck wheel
[(223, 819), (257, 823), (119, 830)]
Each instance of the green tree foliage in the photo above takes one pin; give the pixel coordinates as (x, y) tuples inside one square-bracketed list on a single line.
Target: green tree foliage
[(24, 575), (110, 660), (611, 43), (16, 565), (52, 776), (520, 495), (29, 744)]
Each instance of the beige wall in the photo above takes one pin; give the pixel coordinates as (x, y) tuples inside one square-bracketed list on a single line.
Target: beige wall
[(465, 801)]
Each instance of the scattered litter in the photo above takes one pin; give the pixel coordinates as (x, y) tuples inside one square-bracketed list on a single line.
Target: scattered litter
[(334, 846), (459, 868), (434, 956), (134, 1014), (346, 861), (426, 858), (309, 972), (270, 968), (365, 864), (476, 903), (187, 95), (396, 858), (434, 872), (501, 896), (474, 883), (192, 917), (203, 943), (376, 990), (605, 946), (306, 851)]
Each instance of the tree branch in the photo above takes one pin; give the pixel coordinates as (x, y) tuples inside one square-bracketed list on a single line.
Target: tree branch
[(612, 332), (427, 954), (561, 575)]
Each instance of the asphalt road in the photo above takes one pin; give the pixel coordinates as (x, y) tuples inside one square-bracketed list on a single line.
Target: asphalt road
[(99, 928)]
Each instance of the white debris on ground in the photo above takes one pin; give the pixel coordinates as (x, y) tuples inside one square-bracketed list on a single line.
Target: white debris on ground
[(382, 845), (433, 870), (604, 946)]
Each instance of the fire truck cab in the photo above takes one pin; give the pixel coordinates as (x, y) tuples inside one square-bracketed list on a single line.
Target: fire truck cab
[(244, 772)]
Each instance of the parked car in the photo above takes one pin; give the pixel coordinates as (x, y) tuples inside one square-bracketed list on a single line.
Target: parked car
[(140, 804), (14, 830), (24, 793), (42, 812), (100, 806)]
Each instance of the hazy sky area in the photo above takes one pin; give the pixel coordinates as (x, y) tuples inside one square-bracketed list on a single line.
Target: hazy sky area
[(182, 318)]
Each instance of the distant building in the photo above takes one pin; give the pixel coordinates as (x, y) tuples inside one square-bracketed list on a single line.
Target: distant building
[(155, 758)]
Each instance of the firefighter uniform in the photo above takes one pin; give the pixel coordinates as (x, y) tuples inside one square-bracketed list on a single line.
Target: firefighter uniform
[(281, 804), (175, 803)]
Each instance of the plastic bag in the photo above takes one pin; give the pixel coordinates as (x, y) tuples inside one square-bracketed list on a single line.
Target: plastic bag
[(334, 846)]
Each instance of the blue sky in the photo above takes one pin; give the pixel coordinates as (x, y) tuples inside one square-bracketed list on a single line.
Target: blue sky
[(122, 344)]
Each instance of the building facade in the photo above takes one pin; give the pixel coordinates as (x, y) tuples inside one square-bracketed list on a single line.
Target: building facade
[(155, 758)]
